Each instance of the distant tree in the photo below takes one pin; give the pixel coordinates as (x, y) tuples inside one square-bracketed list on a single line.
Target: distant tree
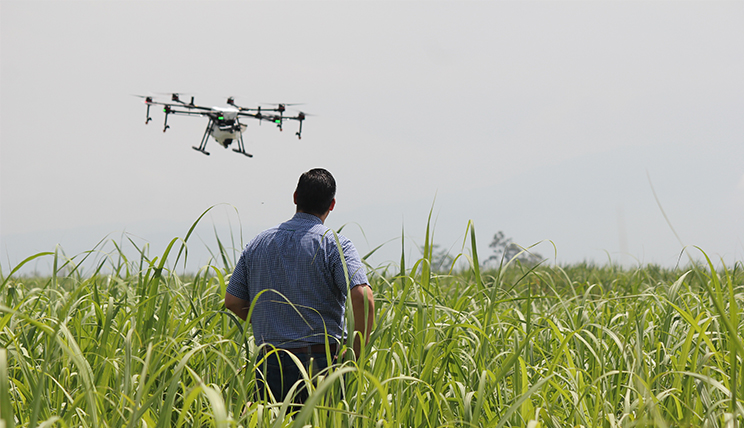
[(504, 249), (441, 261)]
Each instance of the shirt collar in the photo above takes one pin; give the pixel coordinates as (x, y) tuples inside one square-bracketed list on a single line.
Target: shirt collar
[(307, 217)]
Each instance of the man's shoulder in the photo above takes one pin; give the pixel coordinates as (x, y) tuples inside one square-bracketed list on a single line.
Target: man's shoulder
[(305, 224), (267, 232)]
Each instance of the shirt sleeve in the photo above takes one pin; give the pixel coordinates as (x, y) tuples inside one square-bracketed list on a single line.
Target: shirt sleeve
[(356, 271), (238, 285)]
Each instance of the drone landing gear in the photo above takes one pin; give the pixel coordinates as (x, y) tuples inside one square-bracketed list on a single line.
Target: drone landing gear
[(204, 139), (300, 117), (241, 147), (243, 152), (148, 112)]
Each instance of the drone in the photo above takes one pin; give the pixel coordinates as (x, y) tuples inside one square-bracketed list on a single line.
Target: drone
[(224, 122)]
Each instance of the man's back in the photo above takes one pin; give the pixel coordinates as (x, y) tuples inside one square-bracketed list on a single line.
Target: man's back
[(298, 262)]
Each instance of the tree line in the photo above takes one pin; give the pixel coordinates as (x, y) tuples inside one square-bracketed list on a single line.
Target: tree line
[(504, 251)]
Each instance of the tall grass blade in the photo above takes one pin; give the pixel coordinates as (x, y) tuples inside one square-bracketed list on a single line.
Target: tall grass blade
[(6, 407)]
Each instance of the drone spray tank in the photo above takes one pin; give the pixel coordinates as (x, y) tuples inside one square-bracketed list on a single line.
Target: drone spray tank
[(225, 126)]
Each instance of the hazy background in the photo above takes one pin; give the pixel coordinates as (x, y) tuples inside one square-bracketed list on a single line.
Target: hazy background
[(550, 121)]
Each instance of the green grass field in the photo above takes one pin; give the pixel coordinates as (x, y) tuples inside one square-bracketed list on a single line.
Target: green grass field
[(133, 344)]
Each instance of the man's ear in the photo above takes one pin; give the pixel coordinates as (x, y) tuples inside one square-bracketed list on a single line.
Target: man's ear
[(333, 204), (294, 197)]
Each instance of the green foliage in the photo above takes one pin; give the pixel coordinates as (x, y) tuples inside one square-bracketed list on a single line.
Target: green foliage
[(521, 345)]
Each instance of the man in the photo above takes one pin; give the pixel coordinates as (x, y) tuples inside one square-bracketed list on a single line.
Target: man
[(300, 282)]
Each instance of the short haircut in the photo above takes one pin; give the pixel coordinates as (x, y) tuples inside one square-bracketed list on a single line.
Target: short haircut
[(315, 191)]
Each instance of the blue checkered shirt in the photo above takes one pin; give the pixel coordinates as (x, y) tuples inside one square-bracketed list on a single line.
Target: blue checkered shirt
[(298, 262)]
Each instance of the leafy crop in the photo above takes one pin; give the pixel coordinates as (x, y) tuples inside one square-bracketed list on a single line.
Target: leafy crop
[(133, 344)]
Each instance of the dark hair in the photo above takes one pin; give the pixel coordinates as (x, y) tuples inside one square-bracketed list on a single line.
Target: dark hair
[(315, 191)]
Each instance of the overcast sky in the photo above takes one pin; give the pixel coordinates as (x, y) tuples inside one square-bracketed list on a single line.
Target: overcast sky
[(554, 122)]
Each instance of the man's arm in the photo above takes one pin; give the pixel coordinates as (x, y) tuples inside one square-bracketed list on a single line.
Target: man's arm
[(363, 303), (239, 306)]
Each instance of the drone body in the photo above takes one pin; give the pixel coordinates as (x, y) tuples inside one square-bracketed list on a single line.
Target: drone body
[(224, 122), (225, 126)]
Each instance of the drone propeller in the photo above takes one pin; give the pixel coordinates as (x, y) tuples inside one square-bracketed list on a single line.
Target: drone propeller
[(176, 93), (300, 116), (282, 107), (147, 98), (284, 104), (176, 98)]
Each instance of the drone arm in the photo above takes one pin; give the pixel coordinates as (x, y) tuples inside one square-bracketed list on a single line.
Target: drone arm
[(257, 115), (169, 110), (188, 113)]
